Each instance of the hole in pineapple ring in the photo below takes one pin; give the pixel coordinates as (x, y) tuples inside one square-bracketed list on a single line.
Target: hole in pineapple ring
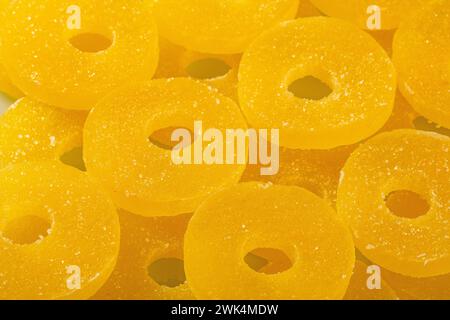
[(26, 229), (209, 68), (162, 138), (268, 260), (407, 204), (167, 272), (91, 42), (310, 87)]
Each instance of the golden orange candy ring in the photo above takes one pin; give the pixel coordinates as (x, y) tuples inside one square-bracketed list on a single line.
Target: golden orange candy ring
[(401, 160), (332, 51), (51, 49), (76, 251), (140, 172), (254, 215), (425, 38)]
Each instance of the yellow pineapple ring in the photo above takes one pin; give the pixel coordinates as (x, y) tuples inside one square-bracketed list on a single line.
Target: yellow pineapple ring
[(338, 54), (401, 161), (71, 54), (253, 215), (75, 227)]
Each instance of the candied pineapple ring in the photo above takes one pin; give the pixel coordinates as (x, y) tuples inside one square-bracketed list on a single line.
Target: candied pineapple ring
[(30, 130), (221, 27), (410, 161), (392, 12), (150, 263), (76, 227), (426, 85), (249, 216), (361, 100), (116, 42), (141, 174)]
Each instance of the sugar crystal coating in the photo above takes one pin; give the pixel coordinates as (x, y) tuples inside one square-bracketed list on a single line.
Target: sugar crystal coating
[(221, 27), (255, 215), (333, 51), (40, 59), (141, 175), (31, 130), (409, 160), (421, 47), (84, 233)]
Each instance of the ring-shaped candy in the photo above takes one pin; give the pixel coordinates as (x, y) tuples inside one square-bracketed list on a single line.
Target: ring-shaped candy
[(43, 48), (220, 27), (80, 249), (142, 175), (30, 131), (254, 215), (336, 53), (426, 38), (400, 160)]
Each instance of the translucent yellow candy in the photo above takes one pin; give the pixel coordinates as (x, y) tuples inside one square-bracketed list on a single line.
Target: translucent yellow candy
[(314, 170), (359, 101), (220, 27), (392, 12), (59, 233), (408, 288), (359, 290), (123, 151), (30, 130), (415, 163), (318, 170), (71, 54), (219, 71), (6, 85), (425, 38), (284, 219), (150, 263)]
